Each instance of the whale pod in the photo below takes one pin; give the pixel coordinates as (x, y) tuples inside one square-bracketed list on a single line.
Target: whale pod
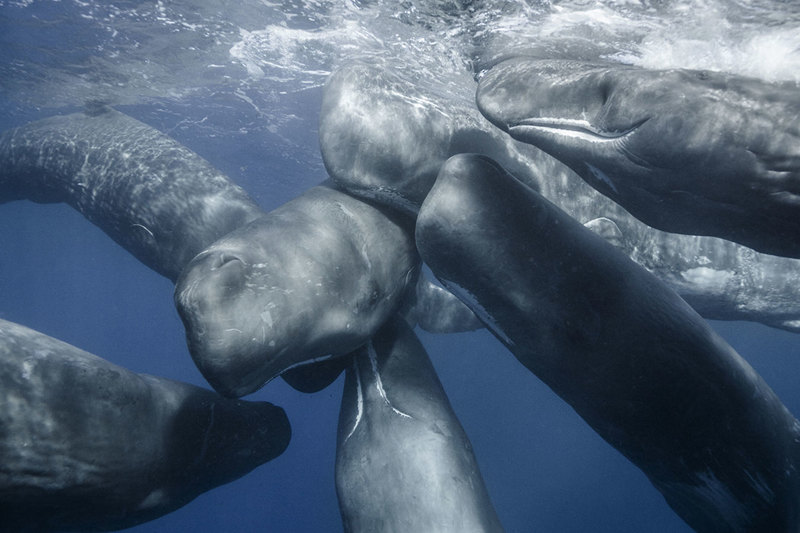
[(686, 151), (403, 461), (165, 204), (372, 126), (624, 350), (86, 445)]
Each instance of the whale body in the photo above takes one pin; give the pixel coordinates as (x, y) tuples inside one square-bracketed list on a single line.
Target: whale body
[(383, 138), (685, 151), (87, 445), (626, 352), (165, 204), (156, 198), (403, 461)]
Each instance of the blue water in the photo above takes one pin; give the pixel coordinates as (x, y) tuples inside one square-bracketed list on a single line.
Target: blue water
[(544, 468)]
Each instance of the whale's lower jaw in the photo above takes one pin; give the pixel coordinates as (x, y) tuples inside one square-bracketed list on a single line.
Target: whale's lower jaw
[(566, 128)]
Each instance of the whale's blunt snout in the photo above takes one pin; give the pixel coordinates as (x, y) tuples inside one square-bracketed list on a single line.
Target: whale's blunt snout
[(275, 429), (208, 284), (452, 203), (521, 89), (229, 342)]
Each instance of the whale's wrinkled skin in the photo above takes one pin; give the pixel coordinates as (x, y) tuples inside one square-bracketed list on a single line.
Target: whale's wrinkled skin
[(371, 126), (383, 138), (314, 278), (403, 461), (157, 199), (165, 204), (89, 446), (694, 152), (625, 351)]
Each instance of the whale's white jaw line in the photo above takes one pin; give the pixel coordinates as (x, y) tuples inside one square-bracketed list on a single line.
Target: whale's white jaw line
[(568, 128)]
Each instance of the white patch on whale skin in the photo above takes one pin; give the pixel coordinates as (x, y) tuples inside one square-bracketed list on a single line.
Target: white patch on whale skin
[(602, 176), (144, 228), (791, 324), (607, 229), (156, 498), (579, 129), (266, 317), (373, 360), (356, 221), (359, 400), (708, 277), (712, 490), (310, 361)]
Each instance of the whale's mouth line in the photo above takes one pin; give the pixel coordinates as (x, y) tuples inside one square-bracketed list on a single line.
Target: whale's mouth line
[(572, 128)]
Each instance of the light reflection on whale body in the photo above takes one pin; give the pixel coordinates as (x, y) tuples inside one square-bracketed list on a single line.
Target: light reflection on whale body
[(242, 86), (694, 152)]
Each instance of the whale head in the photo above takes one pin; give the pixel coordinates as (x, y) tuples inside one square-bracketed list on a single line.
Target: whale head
[(310, 280), (686, 151), (583, 114), (380, 137), (234, 307)]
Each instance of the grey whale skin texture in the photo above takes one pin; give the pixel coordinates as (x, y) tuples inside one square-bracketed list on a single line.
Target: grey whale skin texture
[(86, 445), (314, 277), (165, 204), (403, 461), (157, 199), (372, 127), (632, 358), (694, 152)]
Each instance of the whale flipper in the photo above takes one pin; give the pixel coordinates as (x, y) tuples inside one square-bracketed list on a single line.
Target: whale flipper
[(403, 461)]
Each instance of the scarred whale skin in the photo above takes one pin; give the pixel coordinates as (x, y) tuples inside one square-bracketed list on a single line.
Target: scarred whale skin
[(403, 461), (315, 277), (694, 152), (632, 358), (165, 204), (86, 445), (372, 125), (383, 138), (156, 198)]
